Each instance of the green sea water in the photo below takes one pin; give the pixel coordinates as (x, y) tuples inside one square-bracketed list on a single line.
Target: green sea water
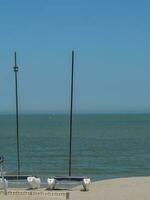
[(103, 146)]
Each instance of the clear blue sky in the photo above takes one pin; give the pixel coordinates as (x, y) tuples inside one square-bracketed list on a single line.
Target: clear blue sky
[(111, 40)]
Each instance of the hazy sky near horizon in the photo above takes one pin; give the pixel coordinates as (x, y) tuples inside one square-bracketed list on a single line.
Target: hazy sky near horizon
[(111, 40)]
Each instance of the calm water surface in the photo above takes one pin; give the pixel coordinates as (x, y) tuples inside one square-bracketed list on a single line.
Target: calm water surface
[(104, 146)]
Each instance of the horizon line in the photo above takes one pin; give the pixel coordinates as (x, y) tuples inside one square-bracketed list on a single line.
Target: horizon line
[(76, 113)]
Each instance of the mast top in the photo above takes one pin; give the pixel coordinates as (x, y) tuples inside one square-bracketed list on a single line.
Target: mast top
[(15, 59)]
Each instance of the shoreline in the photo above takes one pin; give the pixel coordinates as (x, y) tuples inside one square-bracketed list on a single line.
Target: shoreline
[(110, 189)]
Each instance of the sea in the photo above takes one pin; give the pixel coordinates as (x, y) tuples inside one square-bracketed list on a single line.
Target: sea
[(104, 146)]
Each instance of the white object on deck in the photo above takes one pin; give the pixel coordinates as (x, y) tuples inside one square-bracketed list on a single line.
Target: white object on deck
[(86, 183), (34, 182), (3, 183), (51, 183)]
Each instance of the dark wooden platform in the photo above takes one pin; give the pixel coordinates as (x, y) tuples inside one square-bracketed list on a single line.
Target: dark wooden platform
[(16, 177), (68, 178)]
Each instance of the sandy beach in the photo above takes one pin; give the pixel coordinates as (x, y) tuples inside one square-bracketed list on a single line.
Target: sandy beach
[(115, 189)]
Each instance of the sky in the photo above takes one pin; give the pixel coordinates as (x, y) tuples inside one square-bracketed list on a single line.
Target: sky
[(111, 40)]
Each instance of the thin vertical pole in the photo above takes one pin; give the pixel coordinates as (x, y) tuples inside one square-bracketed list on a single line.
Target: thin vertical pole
[(71, 108), (17, 116)]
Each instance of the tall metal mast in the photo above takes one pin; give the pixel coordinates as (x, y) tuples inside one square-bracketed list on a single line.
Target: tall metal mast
[(17, 116), (71, 109)]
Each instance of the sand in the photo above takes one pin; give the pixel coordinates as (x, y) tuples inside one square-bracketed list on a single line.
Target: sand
[(136, 188)]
